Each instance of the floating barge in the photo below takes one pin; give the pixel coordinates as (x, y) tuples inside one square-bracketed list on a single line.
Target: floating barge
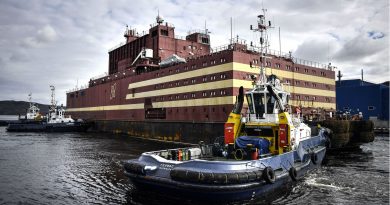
[(172, 88)]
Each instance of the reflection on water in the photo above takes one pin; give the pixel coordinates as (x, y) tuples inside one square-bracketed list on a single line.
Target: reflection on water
[(55, 168)]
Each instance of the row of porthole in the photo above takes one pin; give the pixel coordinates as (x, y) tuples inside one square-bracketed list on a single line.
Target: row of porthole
[(194, 110), (193, 95), (186, 82)]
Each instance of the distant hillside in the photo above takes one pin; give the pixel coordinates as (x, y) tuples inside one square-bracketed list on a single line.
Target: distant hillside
[(10, 107)]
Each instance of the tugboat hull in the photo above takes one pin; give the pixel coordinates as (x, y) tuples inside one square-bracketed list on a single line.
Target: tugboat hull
[(45, 127), (194, 185)]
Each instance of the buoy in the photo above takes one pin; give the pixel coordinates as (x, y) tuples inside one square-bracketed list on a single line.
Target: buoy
[(254, 154), (179, 155), (269, 175), (293, 173)]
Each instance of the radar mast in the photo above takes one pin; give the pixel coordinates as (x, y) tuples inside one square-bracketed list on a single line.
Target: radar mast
[(262, 27)]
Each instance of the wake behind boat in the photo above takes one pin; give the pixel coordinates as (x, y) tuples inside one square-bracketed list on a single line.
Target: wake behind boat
[(54, 121), (260, 151)]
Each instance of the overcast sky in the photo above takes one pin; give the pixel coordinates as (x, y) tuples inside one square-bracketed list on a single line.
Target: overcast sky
[(64, 42)]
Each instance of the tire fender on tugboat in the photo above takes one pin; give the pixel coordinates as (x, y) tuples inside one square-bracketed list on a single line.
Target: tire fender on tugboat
[(269, 175), (293, 173), (314, 158)]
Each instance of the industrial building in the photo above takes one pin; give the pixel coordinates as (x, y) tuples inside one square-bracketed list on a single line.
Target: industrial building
[(357, 95)]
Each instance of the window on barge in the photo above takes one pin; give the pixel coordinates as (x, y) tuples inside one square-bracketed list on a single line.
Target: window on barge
[(164, 32)]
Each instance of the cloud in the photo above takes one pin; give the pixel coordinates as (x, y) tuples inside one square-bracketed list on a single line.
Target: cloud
[(62, 42), (43, 36), (361, 47)]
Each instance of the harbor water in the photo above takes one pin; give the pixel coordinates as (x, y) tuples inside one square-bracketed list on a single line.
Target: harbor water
[(75, 168)]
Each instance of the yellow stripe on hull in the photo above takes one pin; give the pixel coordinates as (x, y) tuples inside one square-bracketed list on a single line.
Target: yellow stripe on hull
[(228, 67), (108, 107), (185, 75), (226, 100), (183, 89), (285, 74)]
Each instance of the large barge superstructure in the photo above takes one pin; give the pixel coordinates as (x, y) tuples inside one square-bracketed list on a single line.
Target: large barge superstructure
[(180, 89)]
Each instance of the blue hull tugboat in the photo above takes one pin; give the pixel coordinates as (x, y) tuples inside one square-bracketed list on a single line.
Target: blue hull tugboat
[(260, 152)]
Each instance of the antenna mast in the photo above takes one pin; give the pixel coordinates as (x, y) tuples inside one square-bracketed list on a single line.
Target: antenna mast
[(262, 28), (53, 98), (29, 99), (231, 30)]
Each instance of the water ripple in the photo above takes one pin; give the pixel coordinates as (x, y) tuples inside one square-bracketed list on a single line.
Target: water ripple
[(55, 168)]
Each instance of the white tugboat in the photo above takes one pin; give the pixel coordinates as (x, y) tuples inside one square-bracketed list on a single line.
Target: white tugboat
[(261, 152), (55, 120), (57, 114), (32, 111)]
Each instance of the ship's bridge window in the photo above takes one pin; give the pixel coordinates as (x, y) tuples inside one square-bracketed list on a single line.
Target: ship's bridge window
[(257, 103), (205, 40), (154, 33), (164, 32), (270, 103)]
